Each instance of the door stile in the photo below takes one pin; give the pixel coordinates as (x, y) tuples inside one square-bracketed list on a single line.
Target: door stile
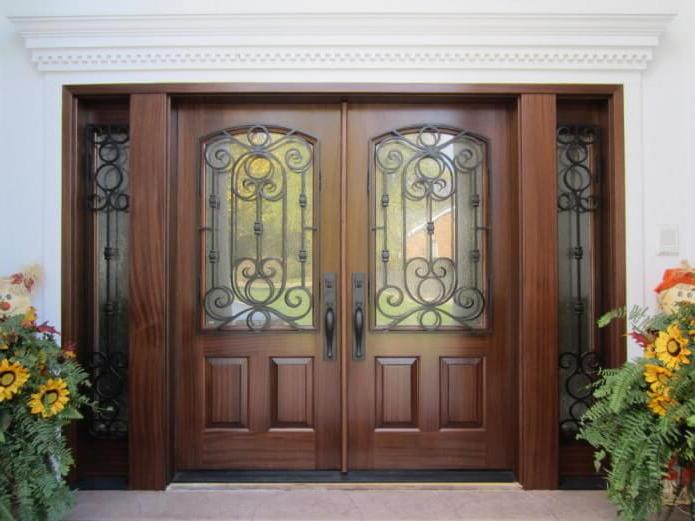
[(342, 288), (538, 288), (149, 448)]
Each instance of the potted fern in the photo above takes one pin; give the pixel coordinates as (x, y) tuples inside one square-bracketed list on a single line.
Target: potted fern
[(39, 394), (642, 421)]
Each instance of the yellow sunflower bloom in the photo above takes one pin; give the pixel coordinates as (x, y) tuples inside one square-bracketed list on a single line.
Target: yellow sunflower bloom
[(649, 351), (657, 377), (660, 402), (50, 399), (12, 377), (671, 347)]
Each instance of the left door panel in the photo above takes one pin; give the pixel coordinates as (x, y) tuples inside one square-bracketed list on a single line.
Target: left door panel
[(255, 225)]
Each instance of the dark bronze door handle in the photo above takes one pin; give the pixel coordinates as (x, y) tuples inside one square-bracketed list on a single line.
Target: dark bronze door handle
[(359, 332), (329, 326), (329, 317), (358, 282)]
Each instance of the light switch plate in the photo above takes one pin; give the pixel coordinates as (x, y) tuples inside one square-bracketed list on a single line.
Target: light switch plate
[(668, 240)]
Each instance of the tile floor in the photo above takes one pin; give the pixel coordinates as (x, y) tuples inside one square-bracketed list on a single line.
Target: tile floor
[(310, 503)]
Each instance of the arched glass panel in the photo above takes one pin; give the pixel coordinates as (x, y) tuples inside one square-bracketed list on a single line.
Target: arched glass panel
[(429, 230), (259, 221)]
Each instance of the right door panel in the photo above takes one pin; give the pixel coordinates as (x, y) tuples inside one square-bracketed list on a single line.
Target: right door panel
[(431, 192)]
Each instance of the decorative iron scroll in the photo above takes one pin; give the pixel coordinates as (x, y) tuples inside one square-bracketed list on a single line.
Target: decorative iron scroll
[(577, 202), (429, 229), (259, 223), (107, 148)]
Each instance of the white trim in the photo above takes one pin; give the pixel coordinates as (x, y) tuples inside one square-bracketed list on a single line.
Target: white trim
[(344, 41)]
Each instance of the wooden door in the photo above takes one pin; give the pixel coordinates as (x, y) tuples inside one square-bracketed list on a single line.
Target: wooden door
[(431, 198), (429, 263), (256, 231)]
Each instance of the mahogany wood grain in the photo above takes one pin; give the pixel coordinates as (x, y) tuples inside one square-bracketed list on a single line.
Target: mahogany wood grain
[(538, 305), (461, 384), (534, 457), (293, 392), (343, 291), (149, 296), (615, 259), (396, 392), (422, 442), (226, 392), (71, 281)]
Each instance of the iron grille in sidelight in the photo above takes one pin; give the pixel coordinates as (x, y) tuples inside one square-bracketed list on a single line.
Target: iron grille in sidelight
[(577, 203), (107, 149), (259, 185), (429, 230)]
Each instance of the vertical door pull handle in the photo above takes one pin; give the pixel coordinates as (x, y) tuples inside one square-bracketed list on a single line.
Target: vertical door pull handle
[(359, 332), (329, 326), (358, 315), (329, 317)]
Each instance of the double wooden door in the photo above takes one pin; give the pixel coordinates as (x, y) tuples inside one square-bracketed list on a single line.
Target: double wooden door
[(344, 285)]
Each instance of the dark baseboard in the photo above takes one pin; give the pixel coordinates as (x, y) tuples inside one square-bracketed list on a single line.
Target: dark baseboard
[(582, 483), (335, 476), (102, 483)]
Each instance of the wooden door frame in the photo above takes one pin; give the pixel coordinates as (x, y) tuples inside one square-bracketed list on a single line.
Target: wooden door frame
[(150, 373)]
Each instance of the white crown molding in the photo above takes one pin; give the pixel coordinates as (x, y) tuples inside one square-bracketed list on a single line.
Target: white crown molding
[(343, 41)]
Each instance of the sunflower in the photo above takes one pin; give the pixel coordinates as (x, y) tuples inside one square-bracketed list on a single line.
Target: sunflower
[(657, 377), (12, 378), (660, 402), (649, 351), (671, 347), (50, 399)]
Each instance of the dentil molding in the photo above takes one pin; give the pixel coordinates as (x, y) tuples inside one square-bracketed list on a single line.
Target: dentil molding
[(343, 41)]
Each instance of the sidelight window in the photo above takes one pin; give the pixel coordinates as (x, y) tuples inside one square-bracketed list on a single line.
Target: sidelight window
[(578, 204), (107, 148)]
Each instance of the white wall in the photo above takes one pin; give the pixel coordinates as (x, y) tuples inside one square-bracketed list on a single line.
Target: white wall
[(661, 188), (669, 144)]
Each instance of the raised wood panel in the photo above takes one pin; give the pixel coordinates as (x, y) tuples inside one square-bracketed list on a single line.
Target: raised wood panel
[(292, 396), (415, 449), (396, 392), (149, 380), (538, 350), (461, 392), (231, 449), (226, 392)]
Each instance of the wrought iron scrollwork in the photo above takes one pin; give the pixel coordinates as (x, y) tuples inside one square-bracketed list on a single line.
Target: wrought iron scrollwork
[(107, 148), (577, 203), (259, 187), (428, 186)]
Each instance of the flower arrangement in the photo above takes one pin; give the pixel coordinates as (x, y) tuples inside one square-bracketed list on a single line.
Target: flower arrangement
[(39, 394), (642, 421)]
